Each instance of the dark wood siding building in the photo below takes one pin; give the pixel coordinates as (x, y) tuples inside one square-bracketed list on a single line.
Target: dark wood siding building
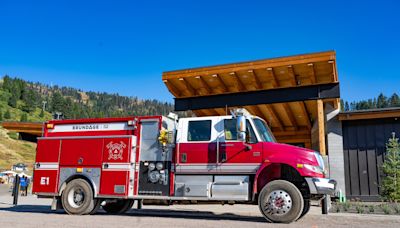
[(365, 134)]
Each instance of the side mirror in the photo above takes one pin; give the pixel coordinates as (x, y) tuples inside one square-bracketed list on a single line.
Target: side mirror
[(241, 128)]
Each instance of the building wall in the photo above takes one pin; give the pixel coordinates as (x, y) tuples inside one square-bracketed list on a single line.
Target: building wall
[(364, 150), (334, 145)]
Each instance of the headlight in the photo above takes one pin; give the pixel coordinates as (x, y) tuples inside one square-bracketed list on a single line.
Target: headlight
[(320, 160), (315, 169)]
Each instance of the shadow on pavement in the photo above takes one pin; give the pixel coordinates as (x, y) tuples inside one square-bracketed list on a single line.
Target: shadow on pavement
[(31, 209), (167, 213), (186, 214)]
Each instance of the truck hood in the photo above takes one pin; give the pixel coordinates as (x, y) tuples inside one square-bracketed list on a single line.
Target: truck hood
[(278, 152)]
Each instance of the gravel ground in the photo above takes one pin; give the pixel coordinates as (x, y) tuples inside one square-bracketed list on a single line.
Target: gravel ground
[(33, 212)]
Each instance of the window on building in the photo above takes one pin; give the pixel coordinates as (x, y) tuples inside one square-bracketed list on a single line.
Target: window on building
[(199, 130)]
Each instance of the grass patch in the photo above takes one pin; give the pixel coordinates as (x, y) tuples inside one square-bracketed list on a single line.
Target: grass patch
[(386, 209), (396, 208), (13, 135)]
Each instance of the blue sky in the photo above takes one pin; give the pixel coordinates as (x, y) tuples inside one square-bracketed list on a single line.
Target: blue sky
[(124, 46)]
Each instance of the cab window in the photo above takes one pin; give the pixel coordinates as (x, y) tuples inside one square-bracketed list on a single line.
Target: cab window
[(231, 132), (230, 129), (199, 130)]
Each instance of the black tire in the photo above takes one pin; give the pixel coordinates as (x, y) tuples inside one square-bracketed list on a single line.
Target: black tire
[(77, 198), (280, 202), (97, 206), (306, 208), (118, 207)]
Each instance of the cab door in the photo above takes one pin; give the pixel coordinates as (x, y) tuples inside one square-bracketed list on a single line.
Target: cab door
[(197, 146), (236, 156)]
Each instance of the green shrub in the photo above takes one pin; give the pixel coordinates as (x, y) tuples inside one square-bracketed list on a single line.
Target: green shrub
[(360, 209), (346, 206), (391, 171), (385, 209), (396, 208), (371, 208)]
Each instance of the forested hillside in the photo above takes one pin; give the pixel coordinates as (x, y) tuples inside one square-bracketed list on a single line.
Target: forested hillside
[(21, 100)]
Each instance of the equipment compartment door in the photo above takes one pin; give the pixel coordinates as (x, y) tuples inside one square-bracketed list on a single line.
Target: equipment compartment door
[(46, 166), (116, 166), (155, 163)]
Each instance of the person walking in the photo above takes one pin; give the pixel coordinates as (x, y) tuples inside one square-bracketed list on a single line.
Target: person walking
[(22, 185), (27, 180)]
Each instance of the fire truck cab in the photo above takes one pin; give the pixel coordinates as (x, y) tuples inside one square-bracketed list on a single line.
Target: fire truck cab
[(111, 162)]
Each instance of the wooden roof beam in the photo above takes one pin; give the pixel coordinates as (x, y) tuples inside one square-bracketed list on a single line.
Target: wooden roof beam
[(256, 79), (304, 111), (241, 86), (220, 111), (312, 73), (255, 111), (271, 112), (172, 88), (204, 84), (188, 87), (271, 74), (221, 82), (290, 115), (334, 73), (292, 76)]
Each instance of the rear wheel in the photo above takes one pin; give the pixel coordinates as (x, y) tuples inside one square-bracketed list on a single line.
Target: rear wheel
[(97, 206), (77, 198), (280, 201), (119, 206)]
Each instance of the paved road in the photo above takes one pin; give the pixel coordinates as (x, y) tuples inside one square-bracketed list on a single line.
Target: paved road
[(33, 212)]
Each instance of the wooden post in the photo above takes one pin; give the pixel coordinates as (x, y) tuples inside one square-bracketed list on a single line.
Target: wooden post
[(321, 127)]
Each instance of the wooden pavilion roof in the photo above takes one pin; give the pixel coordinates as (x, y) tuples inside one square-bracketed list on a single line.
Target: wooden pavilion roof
[(268, 74), (24, 127)]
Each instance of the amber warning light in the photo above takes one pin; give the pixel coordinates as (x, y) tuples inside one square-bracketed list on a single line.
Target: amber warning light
[(49, 126)]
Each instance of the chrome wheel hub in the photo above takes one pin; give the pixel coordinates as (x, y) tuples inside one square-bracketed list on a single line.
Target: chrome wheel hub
[(76, 197), (278, 202)]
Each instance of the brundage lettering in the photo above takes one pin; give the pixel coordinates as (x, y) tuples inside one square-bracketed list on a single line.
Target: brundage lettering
[(85, 127)]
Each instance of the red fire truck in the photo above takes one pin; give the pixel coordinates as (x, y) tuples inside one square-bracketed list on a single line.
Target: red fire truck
[(111, 162)]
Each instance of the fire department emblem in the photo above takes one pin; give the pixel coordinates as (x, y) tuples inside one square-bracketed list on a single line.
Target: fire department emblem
[(115, 150)]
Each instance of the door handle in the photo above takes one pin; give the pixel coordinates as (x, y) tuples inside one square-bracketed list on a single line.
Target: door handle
[(183, 157), (227, 144)]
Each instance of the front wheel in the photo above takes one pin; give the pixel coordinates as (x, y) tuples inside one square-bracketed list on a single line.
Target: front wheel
[(77, 198), (280, 201)]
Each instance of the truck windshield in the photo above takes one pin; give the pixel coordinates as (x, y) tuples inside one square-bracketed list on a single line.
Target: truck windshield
[(263, 130)]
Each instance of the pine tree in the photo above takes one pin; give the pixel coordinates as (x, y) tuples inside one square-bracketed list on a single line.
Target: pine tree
[(341, 105), (24, 117), (391, 170), (346, 106), (41, 115), (382, 101), (13, 100), (394, 100), (7, 115)]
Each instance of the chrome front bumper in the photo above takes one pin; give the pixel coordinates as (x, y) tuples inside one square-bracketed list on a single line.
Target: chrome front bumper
[(321, 186)]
